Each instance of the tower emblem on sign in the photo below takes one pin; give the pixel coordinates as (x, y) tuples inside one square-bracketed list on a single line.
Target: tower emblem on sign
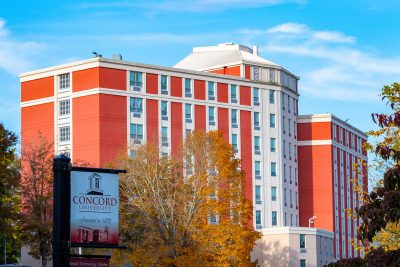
[(95, 185)]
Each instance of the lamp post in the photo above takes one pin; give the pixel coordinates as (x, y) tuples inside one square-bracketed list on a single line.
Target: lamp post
[(311, 220)]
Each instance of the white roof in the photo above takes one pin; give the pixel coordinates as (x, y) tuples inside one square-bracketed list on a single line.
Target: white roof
[(227, 54)]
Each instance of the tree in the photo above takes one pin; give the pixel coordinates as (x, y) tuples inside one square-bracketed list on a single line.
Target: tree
[(37, 196), (9, 196), (189, 210)]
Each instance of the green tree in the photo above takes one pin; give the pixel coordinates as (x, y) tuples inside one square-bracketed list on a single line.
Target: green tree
[(9, 196), (37, 197), (186, 211)]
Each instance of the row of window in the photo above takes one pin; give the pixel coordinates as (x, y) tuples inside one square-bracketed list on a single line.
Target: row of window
[(290, 150), (290, 174), (136, 84), (289, 103), (291, 125), (356, 141), (274, 218)]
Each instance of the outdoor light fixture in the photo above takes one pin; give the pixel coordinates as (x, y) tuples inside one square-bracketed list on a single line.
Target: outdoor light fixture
[(311, 220)]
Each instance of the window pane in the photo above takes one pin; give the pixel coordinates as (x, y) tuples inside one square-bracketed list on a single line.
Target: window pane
[(211, 114), (256, 98), (164, 108), (258, 216), (258, 192), (234, 116), (302, 241), (233, 92), (271, 97), (273, 144), (164, 82), (136, 79), (188, 87), (274, 218), (273, 193), (210, 89), (272, 120), (256, 118), (234, 140), (273, 168), (188, 111)]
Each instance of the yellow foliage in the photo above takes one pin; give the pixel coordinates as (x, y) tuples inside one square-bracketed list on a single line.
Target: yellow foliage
[(189, 210), (389, 238)]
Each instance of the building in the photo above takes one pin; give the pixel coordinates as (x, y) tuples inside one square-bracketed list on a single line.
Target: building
[(328, 149), (92, 109), (294, 246)]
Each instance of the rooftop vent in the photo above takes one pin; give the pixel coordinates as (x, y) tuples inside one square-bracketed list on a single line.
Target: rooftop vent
[(117, 57)]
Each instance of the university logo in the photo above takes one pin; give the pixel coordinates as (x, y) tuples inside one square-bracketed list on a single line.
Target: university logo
[(94, 185)]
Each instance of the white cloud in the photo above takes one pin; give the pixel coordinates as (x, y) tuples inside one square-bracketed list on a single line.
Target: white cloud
[(289, 28), (332, 64), (332, 36), (15, 55)]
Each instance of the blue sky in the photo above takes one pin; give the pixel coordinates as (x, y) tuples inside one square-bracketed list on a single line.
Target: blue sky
[(343, 51)]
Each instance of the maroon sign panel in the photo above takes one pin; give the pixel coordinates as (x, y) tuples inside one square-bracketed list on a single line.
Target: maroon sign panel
[(94, 208), (89, 262)]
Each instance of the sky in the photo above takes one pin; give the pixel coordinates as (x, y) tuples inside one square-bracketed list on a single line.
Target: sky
[(343, 51)]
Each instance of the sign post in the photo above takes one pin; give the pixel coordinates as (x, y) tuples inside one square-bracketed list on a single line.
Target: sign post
[(61, 207)]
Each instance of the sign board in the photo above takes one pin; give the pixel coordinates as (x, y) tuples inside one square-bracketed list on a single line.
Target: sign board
[(94, 208), (89, 262)]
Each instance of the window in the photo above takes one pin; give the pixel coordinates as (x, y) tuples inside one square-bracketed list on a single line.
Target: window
[(289, 101), (273, 144), (188, 87), (164, 136), (65, 134), (188, 112), (211, 115), (233, 93), (234, 141), (291, 199), (290, 153), (302, 241), (164, 110), (284, 148), (283, 101), (213, 219), (284, 172), (257, 120), (290, 133), (65, 107), (65, 81), (283, 124), (234, 118), (273, 193), (258, 217), (284, 197), (271, 97), (274, 218), (295, 153), (136, 105), (297, 200), (272, 120), (273, 168), (136, 80), (257, 168), (164, 85), (256, 97), (258, 194), (136, 131), (257, 145), (211, 91)]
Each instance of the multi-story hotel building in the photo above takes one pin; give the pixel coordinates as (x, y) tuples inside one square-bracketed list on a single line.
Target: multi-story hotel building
[(93, 108), (331, 167)]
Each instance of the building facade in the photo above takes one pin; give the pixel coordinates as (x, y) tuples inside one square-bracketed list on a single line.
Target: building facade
[(294, 246), (332, 171), (93, 109)]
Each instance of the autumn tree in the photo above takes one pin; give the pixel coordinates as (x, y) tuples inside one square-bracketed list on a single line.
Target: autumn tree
[(9, 196), (37, 195), (186, 211)]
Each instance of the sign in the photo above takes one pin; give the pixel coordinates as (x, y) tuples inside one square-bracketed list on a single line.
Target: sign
[(94, 208), (89, 262)]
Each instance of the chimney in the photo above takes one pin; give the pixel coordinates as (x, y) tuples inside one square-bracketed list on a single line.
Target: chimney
[(255, 50)]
